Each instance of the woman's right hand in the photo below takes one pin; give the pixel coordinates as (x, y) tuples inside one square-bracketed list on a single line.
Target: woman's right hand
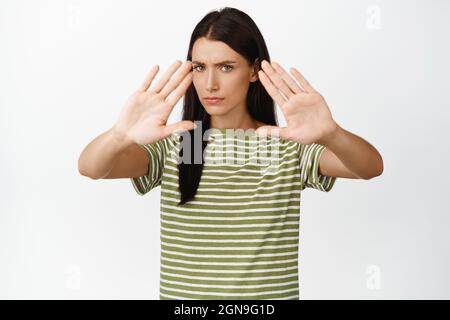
[(143, 118)]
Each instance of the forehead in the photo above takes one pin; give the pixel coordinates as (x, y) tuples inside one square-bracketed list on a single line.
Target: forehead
[(212, 51)]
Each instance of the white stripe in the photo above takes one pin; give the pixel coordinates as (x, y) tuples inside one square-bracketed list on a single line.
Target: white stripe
[(231, 271), (251, 137), (202, 188), (258, 150), (232, 203), (262, 165), (297, 175), (229, 286), (256, 225), (260, 195), (243, 233), (228, 240), (217, 248), (248, 148), (293, 215), (176, 275), (207, 263), (223, 180), (239, 175), (252, 256), (285, 298), (206, 173), (257, 154), (228, 210), (207, 170), (249, 143), (228, 293), (183, 298), (174, 297)]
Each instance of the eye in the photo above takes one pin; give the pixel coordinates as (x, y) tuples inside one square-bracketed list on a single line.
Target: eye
[(195, 67), (227, 66), (230, 67)]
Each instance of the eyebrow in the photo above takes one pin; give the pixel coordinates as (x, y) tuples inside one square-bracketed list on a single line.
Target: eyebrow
[(216, 64)]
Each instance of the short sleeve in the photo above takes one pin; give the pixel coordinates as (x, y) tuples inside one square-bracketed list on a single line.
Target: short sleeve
[(157, 153), (309, 168)]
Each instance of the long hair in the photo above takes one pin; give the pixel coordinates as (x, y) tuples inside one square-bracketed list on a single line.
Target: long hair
[(239, 32)]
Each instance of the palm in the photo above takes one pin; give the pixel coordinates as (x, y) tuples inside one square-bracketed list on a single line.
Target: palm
[(144, 117), (306, 112), (140, 117)]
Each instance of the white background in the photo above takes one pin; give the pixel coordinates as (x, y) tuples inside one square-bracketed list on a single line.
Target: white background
[(67, 67)]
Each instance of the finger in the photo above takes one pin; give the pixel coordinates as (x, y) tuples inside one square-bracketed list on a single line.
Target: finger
[(165, 77), (291, 83), (175, 80), (273, 131), (276, 79), (179, 127), (301, 79), (271, 89), (149, 79), (176, 94)]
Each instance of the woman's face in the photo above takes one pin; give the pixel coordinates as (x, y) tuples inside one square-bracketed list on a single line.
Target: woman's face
[(220, 71)]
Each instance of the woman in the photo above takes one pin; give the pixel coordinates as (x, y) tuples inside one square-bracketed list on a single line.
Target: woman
[(229, 230)]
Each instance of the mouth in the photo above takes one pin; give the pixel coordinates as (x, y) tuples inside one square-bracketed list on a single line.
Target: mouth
[(214, 100)]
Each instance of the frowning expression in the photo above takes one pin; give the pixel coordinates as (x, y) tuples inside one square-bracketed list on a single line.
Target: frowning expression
[(219, 71)]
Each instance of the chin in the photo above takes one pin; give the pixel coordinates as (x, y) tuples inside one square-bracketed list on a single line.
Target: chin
[(216, 110)]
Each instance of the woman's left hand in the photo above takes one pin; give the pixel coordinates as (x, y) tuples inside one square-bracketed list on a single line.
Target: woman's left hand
[(307, 114)]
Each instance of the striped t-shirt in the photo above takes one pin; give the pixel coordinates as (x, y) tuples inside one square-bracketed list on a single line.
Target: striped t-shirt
[(238, 238)]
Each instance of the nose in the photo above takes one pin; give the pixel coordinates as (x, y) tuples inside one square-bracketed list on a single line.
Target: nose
[(211, 82)]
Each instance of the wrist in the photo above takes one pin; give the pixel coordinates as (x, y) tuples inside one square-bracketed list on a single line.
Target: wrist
[(119, 136), (331, 136)]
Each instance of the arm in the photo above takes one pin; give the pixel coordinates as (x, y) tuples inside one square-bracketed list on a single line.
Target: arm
[(349, 156), (110, 156)]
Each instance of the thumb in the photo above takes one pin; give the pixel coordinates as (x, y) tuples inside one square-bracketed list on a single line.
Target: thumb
[(271, 131), (180, 126)]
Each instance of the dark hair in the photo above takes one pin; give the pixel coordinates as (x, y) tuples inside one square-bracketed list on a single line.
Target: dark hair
[(238, 31)]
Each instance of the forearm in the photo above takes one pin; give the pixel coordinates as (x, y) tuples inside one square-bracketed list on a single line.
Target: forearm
[(355, 153), (98, 157)]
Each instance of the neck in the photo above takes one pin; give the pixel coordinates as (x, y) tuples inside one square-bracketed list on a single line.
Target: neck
[(239, 121)]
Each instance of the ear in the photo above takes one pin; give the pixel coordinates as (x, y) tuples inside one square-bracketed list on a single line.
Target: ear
[(255, 70)]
